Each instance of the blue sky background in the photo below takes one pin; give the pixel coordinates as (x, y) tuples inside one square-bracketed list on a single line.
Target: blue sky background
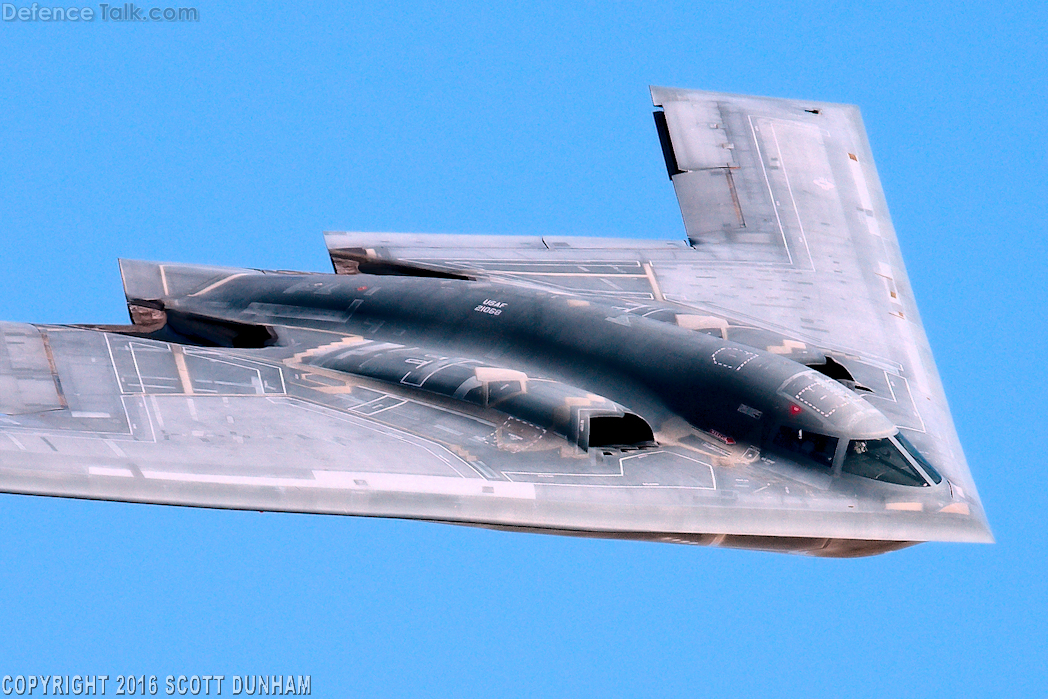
[(238, 139)]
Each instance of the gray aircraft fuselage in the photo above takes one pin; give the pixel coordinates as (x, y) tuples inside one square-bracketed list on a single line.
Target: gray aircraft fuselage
[(654, 369)]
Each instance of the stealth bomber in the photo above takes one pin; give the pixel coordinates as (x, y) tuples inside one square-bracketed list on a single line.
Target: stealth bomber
[(764, 382)]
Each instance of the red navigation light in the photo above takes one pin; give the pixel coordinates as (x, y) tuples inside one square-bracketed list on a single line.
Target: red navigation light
[(362, 288), (795, 409)]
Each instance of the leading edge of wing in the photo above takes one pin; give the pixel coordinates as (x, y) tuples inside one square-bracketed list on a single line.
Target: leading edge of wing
[(266, 430)]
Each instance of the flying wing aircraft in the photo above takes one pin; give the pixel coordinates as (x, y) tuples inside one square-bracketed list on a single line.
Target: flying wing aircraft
[(763, 383)]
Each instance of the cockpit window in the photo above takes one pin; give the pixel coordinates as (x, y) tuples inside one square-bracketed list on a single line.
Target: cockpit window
[(928, 468), (880, 460), (815, 447)]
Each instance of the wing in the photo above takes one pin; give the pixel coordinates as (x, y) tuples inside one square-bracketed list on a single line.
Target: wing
[(116, 417), (790, 247)]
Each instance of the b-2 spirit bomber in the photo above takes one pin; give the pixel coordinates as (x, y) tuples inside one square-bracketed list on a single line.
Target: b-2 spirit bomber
[(765, 383)]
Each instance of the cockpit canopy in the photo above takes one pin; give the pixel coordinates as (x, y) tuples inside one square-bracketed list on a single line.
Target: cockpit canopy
[(889, 459), (886, 460)]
